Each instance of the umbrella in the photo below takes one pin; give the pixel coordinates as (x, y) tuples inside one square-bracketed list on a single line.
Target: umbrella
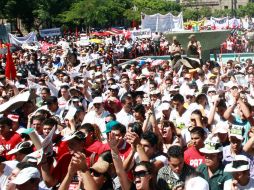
[(97, 41)]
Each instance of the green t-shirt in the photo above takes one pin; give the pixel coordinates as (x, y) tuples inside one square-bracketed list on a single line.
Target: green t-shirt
[(216, 182)]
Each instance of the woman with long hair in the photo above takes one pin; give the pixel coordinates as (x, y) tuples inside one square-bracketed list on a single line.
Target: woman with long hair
[(169, 135)]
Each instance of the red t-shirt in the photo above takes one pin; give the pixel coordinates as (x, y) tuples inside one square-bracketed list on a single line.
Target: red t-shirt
[(193, 157), (60, 149), (9, 143)]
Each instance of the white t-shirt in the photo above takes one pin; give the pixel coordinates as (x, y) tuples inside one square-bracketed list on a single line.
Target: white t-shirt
[(125, 118), (249, 186)]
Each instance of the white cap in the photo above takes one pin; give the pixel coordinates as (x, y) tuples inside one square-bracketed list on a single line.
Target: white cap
[(21, 86), (221, 127), (212, 145), (97, 74), (211, 88), (155, 92), (164, 106), (236, 131), (174, 88), (78, 134), (20, 146), (197, 183), (114, 87), (98, 100), (191, 92), (240, 163), (26, 174), (231, 84), (166, 98)]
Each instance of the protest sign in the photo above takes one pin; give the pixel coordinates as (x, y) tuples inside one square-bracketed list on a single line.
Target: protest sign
[(19, 41), (50, 32), (162, 23), (143, 33)]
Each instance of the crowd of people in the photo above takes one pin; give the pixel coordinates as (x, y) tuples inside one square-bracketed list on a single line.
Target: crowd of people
[(91, 123)]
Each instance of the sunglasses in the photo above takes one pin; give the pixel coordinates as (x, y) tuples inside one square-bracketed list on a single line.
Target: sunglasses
[(95, 173), (141, 173)]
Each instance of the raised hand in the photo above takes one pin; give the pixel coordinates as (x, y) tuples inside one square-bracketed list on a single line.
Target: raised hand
[(112, 141)]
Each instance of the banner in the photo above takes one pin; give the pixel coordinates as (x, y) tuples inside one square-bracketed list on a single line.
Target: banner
[(162, 23), (220, 23), (19, 41), (50, 32), (234, 23), (143, 33)]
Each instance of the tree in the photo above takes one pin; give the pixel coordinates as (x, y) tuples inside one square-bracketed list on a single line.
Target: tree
[(151, 7), (190, 14)]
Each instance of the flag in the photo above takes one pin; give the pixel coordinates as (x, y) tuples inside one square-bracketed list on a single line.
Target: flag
[(10, 71), (76, 31)]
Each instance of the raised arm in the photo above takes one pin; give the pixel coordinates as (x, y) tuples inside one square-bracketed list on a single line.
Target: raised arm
[(123, 178), (213, 111), (249, 146)]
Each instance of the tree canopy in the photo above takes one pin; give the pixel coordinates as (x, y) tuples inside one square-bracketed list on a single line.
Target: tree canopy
[(99, 13)]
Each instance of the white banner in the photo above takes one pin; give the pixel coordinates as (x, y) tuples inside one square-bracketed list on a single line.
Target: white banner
[(220, 23), (234, 23), (19, 41), (143, 33), (50, 32), (162, 23)]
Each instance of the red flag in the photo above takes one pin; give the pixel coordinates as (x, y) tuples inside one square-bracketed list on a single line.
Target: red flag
[(76, 31), (10, 71)]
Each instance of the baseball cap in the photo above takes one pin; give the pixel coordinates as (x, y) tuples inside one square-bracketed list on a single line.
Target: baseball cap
[(26, 174), (110, 125), (114, 87), (211, 75), (211, 89), (20, 146), (77, 134), (97, 100), (240, 163)]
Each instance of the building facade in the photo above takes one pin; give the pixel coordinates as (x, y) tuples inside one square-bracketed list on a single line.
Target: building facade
[(215, 4)]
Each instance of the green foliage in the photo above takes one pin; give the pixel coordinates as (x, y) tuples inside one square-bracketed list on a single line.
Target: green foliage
[(35, 14), (190, 14), (151, 7), (246, 10), (222, 13)]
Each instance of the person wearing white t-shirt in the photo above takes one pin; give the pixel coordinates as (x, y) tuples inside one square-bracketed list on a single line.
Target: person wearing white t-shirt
[(240, 170), (98, 115), (125, 116), (179, 115)]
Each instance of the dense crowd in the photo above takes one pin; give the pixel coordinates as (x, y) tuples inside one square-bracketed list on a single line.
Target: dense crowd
[(92, 123)]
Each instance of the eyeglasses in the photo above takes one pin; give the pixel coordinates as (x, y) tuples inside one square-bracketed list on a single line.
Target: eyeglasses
[(95, 173), (141, 173)]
